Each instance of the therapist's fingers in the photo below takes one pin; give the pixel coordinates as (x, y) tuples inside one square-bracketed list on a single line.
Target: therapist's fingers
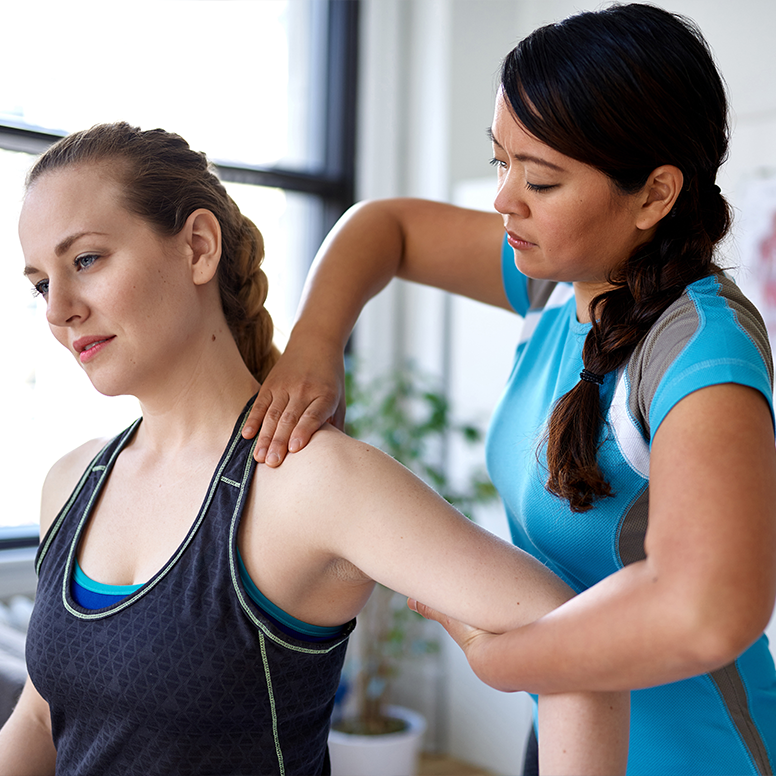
[(462, 633)]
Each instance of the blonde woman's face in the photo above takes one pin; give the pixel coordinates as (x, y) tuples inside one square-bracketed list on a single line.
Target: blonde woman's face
[(118, 296)]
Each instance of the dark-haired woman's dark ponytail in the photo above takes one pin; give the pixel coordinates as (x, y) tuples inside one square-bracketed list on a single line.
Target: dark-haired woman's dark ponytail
[(625, 90), (643, 288)]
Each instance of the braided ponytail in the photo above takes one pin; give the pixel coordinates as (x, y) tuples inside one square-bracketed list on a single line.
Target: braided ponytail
[(164, 182), (625, 90), (243, 287)]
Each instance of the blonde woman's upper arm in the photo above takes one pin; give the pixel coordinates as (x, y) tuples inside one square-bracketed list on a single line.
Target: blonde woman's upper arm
[(26, 744), (366, 508)]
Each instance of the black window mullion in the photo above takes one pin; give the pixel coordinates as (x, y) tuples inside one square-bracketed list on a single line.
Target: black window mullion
[(30, 141), (342, 84), (291, 180)]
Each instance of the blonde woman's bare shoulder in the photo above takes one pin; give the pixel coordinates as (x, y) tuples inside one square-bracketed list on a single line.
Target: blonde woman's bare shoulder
[(63, 476), (335, 471), (331, 460), (332, 448)]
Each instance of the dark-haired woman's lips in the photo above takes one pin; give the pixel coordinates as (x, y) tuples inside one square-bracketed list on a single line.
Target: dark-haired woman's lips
[(518, 242)]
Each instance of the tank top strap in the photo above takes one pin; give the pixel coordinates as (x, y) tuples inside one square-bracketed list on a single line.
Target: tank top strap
[(86, 491), (212, 526)]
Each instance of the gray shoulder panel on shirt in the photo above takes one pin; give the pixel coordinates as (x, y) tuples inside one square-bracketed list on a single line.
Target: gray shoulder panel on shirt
[(670, 334), (539, 292)]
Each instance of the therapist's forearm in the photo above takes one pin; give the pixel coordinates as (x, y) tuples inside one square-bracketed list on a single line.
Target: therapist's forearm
[(627, 632), (357, 260)]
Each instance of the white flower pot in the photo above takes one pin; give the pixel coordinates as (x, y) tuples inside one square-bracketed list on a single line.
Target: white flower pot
[(393, 754)]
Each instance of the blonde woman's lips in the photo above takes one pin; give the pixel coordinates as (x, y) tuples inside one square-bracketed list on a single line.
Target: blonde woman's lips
[(88, 347)]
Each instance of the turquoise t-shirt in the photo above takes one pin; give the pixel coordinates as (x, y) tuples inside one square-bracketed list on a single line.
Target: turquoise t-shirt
[(719, 723)]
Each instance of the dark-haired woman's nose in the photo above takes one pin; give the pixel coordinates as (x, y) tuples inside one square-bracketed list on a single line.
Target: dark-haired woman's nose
[(510, 198)]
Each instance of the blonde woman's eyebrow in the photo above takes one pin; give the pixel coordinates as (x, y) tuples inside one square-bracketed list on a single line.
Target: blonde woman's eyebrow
[(64, 246)]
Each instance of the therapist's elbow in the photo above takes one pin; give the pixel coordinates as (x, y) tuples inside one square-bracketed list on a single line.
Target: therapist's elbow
[(714, 637)]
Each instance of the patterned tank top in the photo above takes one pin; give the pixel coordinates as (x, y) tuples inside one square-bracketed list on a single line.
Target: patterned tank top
[(186, 675)]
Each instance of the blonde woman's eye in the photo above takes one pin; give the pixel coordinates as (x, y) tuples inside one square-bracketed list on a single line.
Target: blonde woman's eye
[(85, 261), (40, 288)]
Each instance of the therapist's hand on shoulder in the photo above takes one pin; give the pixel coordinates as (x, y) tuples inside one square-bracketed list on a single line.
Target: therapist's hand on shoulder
[(304, 390)]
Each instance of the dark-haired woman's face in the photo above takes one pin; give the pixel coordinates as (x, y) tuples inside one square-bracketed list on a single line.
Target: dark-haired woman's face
[(564, 219)]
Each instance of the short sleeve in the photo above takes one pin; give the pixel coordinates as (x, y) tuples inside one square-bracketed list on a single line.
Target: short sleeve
[(515, 282), (711, 335)]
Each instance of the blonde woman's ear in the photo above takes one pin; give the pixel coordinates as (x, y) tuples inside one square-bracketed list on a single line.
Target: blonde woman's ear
[(202, 233), (661, 191)]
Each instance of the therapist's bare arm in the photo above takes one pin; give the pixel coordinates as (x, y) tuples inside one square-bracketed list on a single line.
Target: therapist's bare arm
[(704, 592), (433, 243)]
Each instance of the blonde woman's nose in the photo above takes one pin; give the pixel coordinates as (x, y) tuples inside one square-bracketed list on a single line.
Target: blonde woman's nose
[(63, 305)]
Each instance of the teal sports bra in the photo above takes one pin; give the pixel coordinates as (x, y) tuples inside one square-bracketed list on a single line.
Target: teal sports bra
[(95, 595)]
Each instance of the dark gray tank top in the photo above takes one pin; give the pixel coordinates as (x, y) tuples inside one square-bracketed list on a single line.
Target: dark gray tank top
[(186, 675)]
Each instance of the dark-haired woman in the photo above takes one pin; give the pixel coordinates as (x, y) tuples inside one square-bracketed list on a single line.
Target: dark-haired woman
[(634, 442), (193, 609)]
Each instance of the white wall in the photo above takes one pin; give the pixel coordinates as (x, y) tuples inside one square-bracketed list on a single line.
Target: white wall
[(427, 87)]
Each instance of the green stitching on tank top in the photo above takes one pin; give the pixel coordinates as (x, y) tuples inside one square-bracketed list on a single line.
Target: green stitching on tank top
[(235, 584), (54, 529), (168, 567), (271, 697), (230, 482)]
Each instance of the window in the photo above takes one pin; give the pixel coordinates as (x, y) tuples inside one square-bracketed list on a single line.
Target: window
[(266, 89)]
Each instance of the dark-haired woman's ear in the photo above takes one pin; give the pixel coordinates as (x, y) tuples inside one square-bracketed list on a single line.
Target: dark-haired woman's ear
[(660, 193), (202, 234)]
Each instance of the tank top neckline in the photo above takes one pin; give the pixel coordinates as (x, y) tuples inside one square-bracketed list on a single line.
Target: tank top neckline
[(103, 472)]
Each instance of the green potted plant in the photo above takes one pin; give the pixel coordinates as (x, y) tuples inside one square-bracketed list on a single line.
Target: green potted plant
[(405, 414)]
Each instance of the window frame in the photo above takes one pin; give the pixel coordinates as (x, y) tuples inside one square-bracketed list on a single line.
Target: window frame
[(333, 183)]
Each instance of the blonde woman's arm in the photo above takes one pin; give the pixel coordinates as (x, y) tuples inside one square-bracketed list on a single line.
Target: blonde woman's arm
[(26, 745), (355, 504)]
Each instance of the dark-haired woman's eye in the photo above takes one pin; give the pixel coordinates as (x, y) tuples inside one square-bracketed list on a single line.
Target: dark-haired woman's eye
[(497, 163), (539, 187)]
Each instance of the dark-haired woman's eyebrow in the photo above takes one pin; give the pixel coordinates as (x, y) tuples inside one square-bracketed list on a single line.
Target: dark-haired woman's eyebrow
[(526, 157)]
